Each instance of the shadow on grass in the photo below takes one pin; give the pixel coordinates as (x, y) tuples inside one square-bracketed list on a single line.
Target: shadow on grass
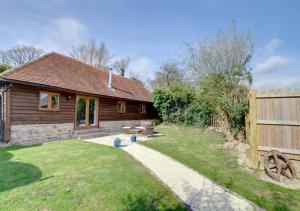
[(16, 174), (144, 202)]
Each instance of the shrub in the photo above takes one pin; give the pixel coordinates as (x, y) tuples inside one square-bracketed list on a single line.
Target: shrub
[(171, 102), (227, 99), (198, 114)]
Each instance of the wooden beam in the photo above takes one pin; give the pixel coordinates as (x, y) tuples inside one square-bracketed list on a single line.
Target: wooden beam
[(278, 93), (7, 122), (252, 139), (278, 122), (283, 150)]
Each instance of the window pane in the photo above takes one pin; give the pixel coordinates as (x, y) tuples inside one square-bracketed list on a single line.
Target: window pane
[(121, 107), (54, 101), (44, 100), (92, 111), (81, 108)]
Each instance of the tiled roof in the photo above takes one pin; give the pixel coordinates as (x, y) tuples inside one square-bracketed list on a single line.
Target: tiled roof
[(57, 70)]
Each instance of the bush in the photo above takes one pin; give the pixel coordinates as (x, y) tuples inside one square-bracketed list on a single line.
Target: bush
[(171, 102), (197, 114), (227, 99)]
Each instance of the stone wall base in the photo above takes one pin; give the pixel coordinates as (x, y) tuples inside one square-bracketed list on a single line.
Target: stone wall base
[(116, 126), (38, 133)]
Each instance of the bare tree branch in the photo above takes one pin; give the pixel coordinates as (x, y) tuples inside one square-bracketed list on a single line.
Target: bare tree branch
[(21, 54), (91, 54), (227, 51), (121, 65), (168, 74)]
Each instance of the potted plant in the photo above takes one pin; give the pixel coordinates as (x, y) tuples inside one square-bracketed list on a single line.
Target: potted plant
[(133, 138), (117, 142)]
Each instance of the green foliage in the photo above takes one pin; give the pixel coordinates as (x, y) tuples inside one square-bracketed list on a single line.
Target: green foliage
[(4, 67), (198, 114), (179, 104), (171, 102), (227, 98)]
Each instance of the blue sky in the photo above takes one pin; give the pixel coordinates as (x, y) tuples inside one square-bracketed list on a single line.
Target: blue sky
[(152, 32)]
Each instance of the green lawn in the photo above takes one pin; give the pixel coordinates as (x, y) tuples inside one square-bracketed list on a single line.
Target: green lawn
[(202, 150), (77, 175)]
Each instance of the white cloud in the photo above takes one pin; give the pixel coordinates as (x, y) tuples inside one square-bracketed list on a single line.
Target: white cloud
[(143, 66), (272, 45), (52, 35), (271, 65), (68, 28)]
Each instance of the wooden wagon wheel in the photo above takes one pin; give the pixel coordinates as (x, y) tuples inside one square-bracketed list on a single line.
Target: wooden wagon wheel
[(277, 164)]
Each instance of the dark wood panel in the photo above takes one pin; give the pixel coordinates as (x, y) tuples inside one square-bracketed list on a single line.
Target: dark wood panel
[(25, 107), (25, 102), (108, 110)]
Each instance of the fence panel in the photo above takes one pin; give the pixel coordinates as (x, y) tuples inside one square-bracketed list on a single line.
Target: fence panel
[(274, 117)]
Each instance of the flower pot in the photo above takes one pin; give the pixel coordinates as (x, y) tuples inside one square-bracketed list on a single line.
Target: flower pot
[(133, 138), (117, 142)]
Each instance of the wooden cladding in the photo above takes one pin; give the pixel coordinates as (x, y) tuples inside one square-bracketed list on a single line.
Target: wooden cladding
[(108, 110), (25, 102), (25, 108)]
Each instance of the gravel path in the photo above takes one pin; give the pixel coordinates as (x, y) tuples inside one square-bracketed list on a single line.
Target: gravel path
[(195, 190)]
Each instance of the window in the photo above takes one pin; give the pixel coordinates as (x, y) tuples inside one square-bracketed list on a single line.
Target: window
[(49, 101), (142, 108), (121, 107)]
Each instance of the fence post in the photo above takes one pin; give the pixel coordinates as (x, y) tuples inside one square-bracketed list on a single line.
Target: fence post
[(252, 131)]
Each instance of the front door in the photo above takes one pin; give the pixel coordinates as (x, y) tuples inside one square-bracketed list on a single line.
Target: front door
[(86, 112)]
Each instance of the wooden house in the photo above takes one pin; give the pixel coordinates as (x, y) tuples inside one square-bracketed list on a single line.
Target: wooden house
[(57, 97)]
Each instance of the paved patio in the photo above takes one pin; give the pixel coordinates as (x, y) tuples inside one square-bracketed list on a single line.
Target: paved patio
[(109, 140), (195, 190)]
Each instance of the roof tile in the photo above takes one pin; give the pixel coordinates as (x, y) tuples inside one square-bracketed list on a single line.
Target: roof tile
[(64, 72)]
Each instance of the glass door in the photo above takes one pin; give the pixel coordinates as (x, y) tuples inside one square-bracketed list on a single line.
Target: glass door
[(86, 112), (92, 112)]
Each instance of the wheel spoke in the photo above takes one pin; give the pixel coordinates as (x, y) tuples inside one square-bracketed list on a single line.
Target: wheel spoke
[(278, 164)]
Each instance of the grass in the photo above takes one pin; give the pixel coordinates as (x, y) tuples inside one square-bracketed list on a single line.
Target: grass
[(202, 150), (77, 175)]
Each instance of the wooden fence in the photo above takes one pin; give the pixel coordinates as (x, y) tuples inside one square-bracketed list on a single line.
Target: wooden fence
[(273, 122)]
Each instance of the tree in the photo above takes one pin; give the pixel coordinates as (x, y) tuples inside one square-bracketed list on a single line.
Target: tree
[(228, 51), (89, 53), (3, 57), (220, 68), (4, 67), (21, 54), (121, 65), (136, 77), (168, 74), (102, 56)]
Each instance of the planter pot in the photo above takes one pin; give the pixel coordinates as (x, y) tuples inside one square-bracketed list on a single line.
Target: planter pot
[(117, 142), (133, 138)]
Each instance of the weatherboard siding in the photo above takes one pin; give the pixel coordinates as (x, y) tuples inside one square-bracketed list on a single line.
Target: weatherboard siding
[(108, 110), (25, 108)]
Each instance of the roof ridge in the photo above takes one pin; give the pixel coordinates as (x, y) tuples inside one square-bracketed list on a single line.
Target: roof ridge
[(12, 70), (51, 68), (89, 65)]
